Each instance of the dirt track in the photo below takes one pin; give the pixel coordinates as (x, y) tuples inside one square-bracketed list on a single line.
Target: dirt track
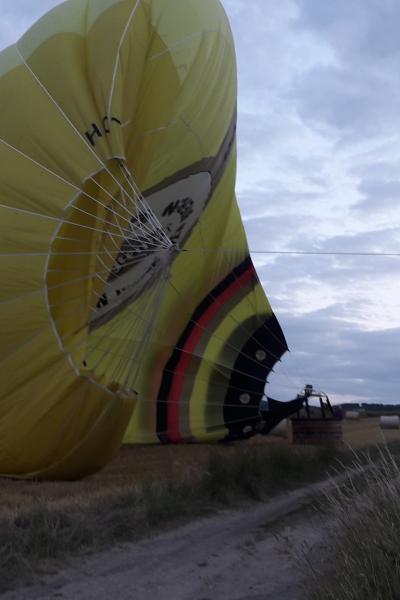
[(250, 554)]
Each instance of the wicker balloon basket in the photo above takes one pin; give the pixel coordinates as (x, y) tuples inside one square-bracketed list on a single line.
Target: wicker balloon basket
[(317, 431)]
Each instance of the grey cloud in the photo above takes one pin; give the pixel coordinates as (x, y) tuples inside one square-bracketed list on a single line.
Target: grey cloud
[(379, 194), (275, 201), (279, 232), (356, 104), (356, 28), (357, 95), (374, 168), (384, 240), (287, 275), (349, 362)]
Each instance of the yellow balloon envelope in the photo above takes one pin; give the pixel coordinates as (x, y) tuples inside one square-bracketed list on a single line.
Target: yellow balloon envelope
[(129, 306)]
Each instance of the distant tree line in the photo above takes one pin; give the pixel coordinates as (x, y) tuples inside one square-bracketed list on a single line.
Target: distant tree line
[(370, 407)]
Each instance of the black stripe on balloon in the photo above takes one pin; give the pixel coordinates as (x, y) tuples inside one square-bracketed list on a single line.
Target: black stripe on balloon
[(241, 410), (170, 367)]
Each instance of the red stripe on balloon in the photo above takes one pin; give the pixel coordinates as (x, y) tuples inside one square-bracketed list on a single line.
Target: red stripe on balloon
[(174, 396)]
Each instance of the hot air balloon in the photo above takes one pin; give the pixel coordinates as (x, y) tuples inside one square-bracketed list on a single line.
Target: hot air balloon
[(130, 308)]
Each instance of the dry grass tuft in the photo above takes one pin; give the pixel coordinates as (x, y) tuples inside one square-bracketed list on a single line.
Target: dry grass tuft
[(364, 553)]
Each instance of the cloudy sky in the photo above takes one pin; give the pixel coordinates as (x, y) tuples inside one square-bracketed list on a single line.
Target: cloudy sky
[(318, 171)]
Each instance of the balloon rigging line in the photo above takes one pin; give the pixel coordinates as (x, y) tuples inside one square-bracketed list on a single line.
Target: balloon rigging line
[(291, 381), (149, 214), (190, 376), (182, 41), (127, 234), (118, 57), (270, 332), (86, 143), (128, 237), (149, 232), (132, 235), (220, 367), (81, 191), (74, 186), (31, 254), (82, 328), (149, 331), (207, 330), (123, 205), (130, 331), (105, 352), (129, 241), (265, 326), (92, 275), (195, 135), (141, 255), (145, 299), (222, 405), (135, 215), (220, 339), (133, 262), (315, 253), (207, 429), (294, 252), (152, 216), (64, 221), (251, 336), (229, 368), (197, 378), (107, 270), (66, 283), (241, 325)]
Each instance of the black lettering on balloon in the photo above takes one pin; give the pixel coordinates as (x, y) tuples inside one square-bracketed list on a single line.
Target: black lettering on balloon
[(105, 128), (103, 301), (171, 208), (183, 206), (91, 134), (106, 123)]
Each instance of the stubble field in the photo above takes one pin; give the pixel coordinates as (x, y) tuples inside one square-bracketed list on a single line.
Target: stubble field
[(136, 465)]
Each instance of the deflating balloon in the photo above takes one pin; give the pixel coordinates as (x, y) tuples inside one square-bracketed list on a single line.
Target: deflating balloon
[(129, 305)]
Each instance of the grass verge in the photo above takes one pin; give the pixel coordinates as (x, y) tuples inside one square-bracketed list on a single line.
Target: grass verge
[(364, 552)]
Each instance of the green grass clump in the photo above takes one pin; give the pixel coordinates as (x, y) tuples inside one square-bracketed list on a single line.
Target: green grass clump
[(257, 472), (364, 556)]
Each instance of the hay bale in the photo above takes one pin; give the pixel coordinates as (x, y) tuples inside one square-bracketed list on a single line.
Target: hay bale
[(389, 422)]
